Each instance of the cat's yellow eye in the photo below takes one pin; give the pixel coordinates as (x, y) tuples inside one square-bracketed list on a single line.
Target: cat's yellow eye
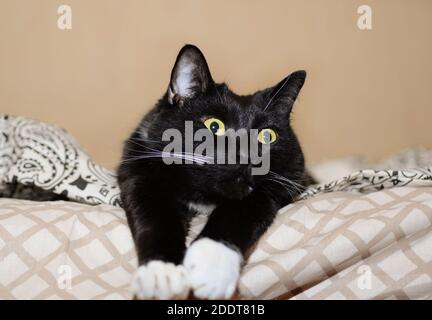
[(215, 125), (267, 136)]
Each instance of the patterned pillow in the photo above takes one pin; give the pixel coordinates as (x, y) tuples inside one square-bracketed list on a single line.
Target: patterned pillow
[(50, 161)]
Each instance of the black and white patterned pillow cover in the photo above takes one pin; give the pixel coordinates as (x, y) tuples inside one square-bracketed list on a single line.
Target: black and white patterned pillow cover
[(48, 160), (366, 181), (43, 162)]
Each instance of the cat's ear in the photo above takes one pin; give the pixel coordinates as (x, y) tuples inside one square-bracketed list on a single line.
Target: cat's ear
[(190, 75), (285, 92)]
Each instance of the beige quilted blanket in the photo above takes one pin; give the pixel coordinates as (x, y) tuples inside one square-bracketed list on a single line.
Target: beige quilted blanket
[(332, 246)]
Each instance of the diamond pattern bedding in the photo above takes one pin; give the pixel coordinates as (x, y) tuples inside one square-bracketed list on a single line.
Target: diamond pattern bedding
[(332, 246), (347, 246)]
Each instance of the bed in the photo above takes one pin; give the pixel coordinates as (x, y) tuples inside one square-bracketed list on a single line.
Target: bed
[(367, 235)]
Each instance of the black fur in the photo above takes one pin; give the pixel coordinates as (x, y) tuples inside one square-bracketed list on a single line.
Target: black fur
[(156, 196)]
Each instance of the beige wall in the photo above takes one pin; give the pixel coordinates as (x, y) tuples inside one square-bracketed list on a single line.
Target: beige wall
[(368, 92)]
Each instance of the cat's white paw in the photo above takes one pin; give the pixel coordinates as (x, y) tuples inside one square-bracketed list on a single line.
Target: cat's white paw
[(213, 269), (160, 280)]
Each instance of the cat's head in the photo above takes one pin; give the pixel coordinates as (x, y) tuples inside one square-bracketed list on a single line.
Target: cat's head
[(193, 96)]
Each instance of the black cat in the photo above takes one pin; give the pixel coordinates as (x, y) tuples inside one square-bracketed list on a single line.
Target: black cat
[(160, 199)]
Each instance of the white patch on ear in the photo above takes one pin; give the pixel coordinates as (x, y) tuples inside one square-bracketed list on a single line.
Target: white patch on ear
[(160, 280), (204, 209), (183, 81), (213, 269)]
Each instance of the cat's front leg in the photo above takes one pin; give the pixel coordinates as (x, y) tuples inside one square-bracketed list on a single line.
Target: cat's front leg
[(159, 228), (213, 261)]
